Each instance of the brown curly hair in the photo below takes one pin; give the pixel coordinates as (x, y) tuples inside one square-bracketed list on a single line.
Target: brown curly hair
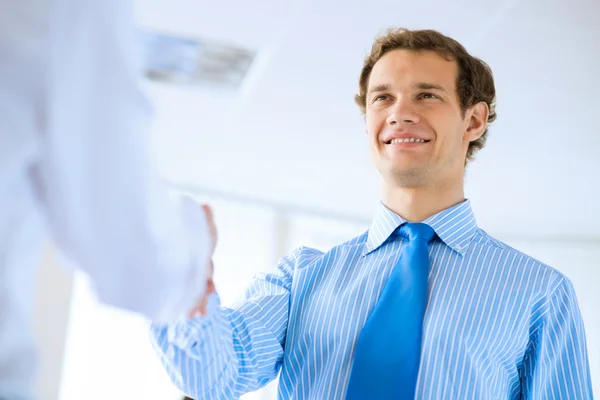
[(475, 82)]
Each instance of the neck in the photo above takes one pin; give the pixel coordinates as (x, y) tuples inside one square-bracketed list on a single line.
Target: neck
[(419, 203)]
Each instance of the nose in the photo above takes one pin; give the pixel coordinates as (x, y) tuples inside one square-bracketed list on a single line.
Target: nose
[(403, 111)]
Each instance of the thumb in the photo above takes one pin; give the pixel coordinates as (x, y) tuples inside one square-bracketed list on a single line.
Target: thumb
[(210, 221)]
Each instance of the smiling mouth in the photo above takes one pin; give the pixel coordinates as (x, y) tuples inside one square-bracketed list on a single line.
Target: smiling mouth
[(407, 140)]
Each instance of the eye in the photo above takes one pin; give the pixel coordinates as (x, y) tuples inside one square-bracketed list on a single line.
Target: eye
[(380, 98), (428, 95)]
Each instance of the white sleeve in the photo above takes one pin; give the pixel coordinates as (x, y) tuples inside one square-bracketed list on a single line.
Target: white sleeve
[(144, 250)]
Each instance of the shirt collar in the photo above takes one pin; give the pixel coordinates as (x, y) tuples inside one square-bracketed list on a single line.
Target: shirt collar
[(455, 226)]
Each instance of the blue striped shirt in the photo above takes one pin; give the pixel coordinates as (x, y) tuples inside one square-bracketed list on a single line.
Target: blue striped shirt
[(498, 325)]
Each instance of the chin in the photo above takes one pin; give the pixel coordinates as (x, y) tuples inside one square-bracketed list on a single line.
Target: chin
[(409, 177)]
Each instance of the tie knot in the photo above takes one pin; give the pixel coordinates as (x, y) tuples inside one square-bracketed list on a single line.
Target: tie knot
[(416, 230)]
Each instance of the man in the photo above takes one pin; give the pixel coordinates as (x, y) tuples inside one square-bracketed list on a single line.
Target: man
[(74, 154), (423, 305)]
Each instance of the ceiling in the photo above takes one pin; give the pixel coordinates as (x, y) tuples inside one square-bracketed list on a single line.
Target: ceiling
[(292, 135)]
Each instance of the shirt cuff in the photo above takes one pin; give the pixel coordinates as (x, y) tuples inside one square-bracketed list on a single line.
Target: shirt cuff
[(188, 333)]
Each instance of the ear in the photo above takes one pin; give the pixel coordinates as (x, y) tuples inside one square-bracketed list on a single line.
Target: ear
[(477, 121)]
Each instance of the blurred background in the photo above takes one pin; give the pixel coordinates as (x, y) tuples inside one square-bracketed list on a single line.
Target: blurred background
[(255, 114)]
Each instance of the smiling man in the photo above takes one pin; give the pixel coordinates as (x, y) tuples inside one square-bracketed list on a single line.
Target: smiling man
[(423, 305)]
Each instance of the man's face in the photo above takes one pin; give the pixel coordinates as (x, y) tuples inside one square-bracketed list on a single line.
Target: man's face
[(415, 124)]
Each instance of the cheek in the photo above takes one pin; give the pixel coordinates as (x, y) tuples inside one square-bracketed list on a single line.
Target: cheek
[(450, 145), (369, 124), (373, 124), (370, 130), (447, 131), (372, 141)]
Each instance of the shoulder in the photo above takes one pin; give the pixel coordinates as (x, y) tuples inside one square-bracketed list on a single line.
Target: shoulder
[(522, 265), (303, 256)]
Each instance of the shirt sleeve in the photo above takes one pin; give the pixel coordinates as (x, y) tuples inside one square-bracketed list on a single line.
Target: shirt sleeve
[(556, 365), (235, 350), (144, 249)]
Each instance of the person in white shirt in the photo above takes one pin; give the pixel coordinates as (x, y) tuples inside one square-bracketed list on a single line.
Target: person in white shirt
[(75, 165)]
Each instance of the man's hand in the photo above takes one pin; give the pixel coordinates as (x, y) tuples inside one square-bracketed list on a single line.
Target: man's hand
[(210, 285), (200, 309), (211, 226)]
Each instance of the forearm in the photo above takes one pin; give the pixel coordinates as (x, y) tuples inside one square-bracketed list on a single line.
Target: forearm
[(232, 351), (198, 354), (221, 356)]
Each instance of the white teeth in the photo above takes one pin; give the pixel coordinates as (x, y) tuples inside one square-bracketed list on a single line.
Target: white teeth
[(408, 140)]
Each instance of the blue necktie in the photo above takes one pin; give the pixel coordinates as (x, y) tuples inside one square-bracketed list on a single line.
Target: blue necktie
[(387, 354)]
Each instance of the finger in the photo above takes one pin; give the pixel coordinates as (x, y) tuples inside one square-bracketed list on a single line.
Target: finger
[(210, 287), (202, 307), (199, 309), (211, 223)]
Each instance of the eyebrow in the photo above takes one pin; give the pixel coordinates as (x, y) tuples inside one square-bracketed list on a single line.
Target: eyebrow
[(422, 86), (379, 88), (430, 86)]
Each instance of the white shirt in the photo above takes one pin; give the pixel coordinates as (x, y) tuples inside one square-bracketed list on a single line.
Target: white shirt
[(75, 164)]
